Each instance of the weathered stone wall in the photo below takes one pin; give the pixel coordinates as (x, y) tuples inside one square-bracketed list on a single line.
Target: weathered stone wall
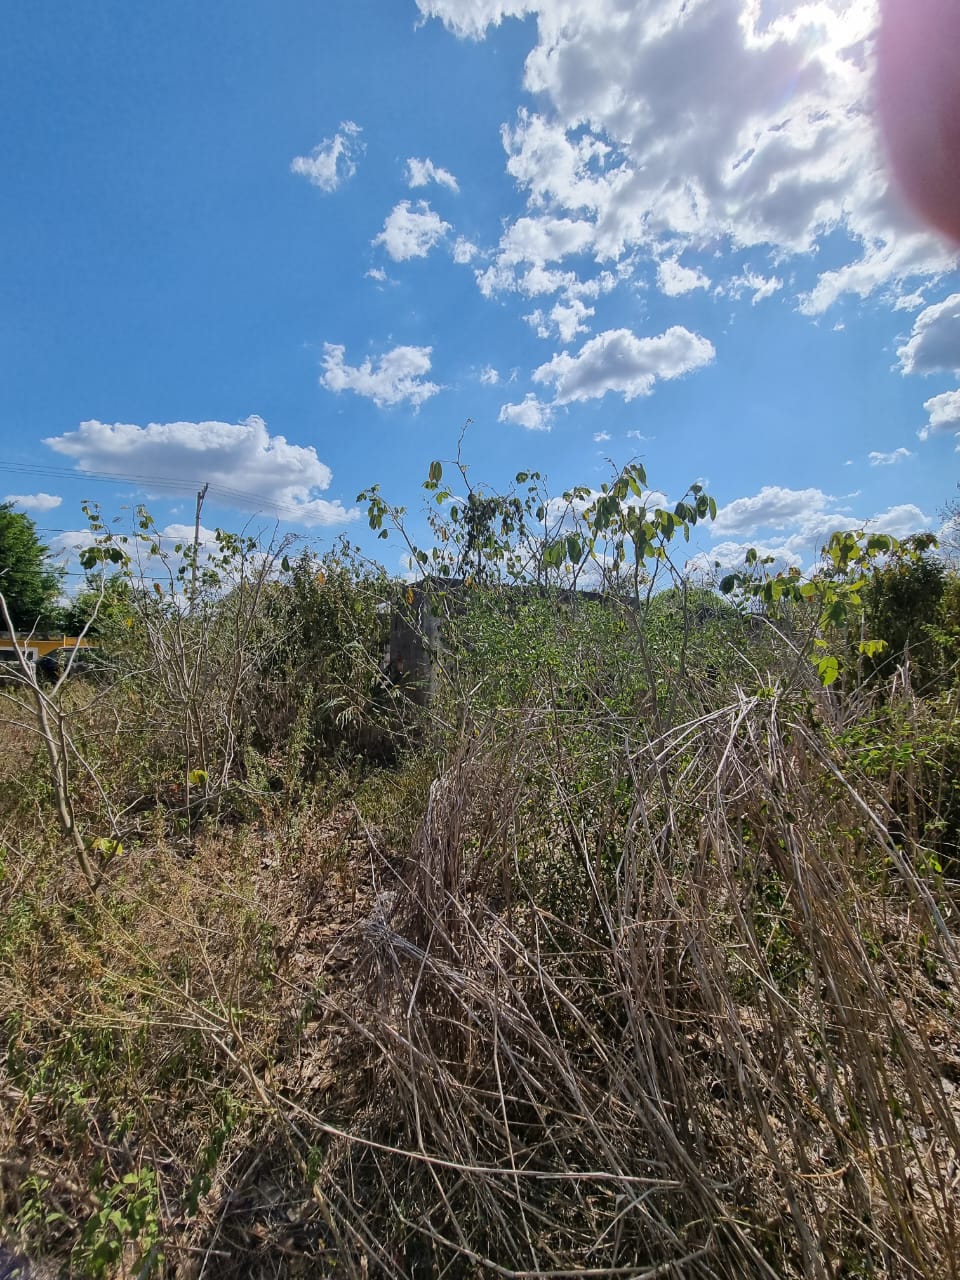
[(414, 641)]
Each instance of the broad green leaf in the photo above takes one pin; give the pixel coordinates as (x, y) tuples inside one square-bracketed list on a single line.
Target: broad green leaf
[(828, 668), (106, 847), (870, 648)]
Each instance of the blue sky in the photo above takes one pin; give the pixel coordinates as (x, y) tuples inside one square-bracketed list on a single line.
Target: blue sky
[(289, 249)]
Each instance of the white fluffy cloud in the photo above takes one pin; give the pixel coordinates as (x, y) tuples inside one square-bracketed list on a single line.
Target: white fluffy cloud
[(879, 459), (72, 540), (536, 279), (527, 249), (793, 524), (334, 161), (675, 279), (411, 231), (934, 344), (422, 172), (760, 286), (569, 317), (530, 413), (246, 467), (772, 508), (617, 360), (541, 240), (565, 319), (393, 378), (489, 376), (666, 125), (731, 555), (944, 415), (472, 17), (34, 501), (464, 251), (900, 521)]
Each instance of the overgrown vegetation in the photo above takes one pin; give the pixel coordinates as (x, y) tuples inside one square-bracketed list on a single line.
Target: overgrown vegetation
[(634, 953)]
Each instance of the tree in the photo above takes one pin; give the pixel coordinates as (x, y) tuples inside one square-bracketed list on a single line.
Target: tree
[(103, 605), (29, 583)]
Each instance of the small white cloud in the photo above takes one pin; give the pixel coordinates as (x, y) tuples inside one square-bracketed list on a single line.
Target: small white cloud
[(601, 437), (464, 251), (675, 279), (760, 286), (878, 459), (472, 19), (538, 321), (489, 376), (394, 377), (246, 467), (376, 273), (33, 501), (569, 319), (565, 319), (422, 172), (617, 360), (531, 413), (638, 435), (334, 161), (909, 301), (174, 533), (411, 232), (944, 411), (934, 344)]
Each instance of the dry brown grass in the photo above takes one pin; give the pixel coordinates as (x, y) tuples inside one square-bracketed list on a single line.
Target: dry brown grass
[(691, 1014), (726, 1058)]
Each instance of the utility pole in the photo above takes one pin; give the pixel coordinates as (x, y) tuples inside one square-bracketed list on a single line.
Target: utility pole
[(196, 546)]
